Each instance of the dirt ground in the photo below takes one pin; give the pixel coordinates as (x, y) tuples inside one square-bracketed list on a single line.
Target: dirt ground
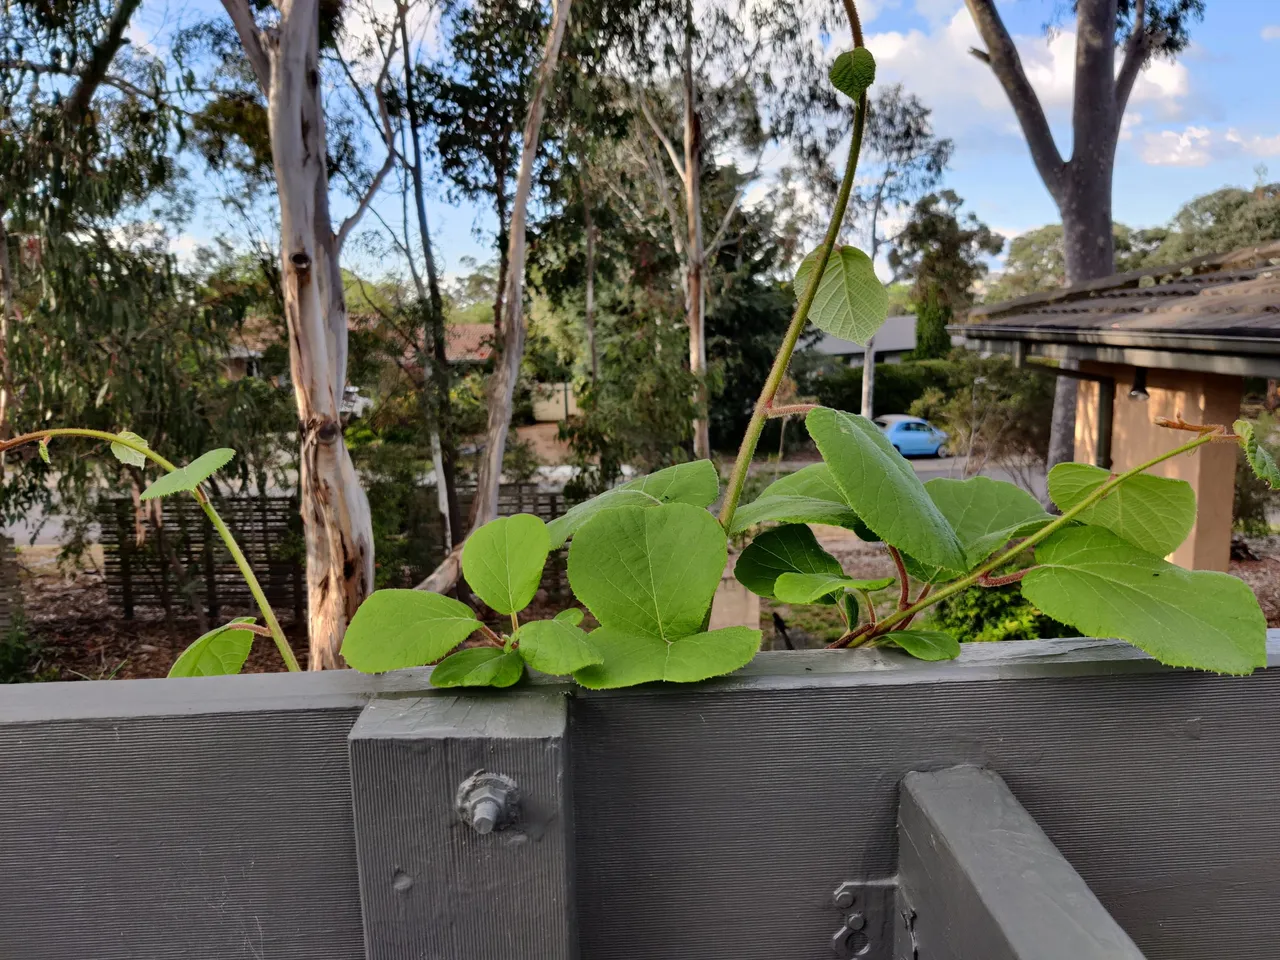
[(81, 637)]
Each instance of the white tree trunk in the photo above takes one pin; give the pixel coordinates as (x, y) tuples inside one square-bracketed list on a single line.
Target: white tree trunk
[(503, 383), (6, 313), (335, 513), (695, 249), (869, 379)]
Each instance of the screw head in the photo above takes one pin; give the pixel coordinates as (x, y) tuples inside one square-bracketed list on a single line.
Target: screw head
[(845, 895), (855, 921)]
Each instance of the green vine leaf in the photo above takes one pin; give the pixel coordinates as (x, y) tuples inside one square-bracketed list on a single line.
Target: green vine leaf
[(187, 479), (853, 72), (220, 652), (43, 447), (1154, 513), (926, 644), (851, 302), (1261, 462), (478, 667), (882, 488), (696, 483), (649, 575), (1106, 586), (986, 514), (394, 629), (503, 561), (556, 647), (787, 549), (809, 495), (128, 455), (572, 616), (821, 587), (632, 658)]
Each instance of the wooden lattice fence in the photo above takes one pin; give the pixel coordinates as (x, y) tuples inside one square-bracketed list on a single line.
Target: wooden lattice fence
[(183, 563)]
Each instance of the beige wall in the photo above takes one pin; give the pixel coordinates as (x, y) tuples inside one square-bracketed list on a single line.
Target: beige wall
[(1211, 470)]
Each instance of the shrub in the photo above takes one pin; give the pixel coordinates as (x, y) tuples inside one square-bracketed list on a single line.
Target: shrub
[(898, 385), (1252, 495), (988, 614), (19, 653)]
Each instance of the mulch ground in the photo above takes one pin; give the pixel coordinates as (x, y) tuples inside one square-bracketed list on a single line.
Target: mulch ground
[(80, 636)]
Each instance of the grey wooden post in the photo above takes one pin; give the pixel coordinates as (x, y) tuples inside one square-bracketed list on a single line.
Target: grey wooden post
[(979, 880), (491, 879)]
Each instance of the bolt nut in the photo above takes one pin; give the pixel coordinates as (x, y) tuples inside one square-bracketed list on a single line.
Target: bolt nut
[(488, 802), (855, 921), (842, 943), (845, 895)]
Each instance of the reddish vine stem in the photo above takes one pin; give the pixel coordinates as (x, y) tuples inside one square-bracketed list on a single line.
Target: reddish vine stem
[(986, 580), (849, 637), (924, 592), (791, 410), (904, 585)]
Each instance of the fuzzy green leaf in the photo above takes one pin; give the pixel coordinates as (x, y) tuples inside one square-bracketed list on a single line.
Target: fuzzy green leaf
[(649, 571), (883, 489), (572, 616), (43, 447), (220, 652), (1106, 586), (187, 479), (503, 561), (809, 495), (821, 587), (394, 629), (478, 667), (127, 454), (1260, 459), (853, 72), (851, 302), (555, 646), (1154, 513), (926, 644), (632, 658), (696, 483), (986, 514), (788, 549)]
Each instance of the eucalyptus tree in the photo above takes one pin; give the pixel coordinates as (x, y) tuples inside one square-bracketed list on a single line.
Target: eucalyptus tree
[(1115, 40)]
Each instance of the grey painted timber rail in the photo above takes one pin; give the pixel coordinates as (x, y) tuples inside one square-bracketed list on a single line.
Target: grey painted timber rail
[(339, 816)]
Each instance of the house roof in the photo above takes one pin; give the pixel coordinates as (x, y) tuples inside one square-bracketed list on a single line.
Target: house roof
[(469, 342), (1218, 313), (464, 342), (898, 335)]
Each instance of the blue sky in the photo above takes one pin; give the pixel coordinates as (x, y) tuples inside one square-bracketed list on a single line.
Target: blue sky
[(1201, 122)]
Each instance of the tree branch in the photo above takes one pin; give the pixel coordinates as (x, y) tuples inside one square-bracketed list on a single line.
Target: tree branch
[(242, 19), (663, 139), (716, 237), (103, 53), (388, 139), (1137, 51), (1005, 63)]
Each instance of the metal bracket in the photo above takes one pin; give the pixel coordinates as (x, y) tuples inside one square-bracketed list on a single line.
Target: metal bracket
[(867, 909)]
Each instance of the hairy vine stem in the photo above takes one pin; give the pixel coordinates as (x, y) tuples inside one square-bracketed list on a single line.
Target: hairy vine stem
[(956, 586), (242, 562), (764, 404)]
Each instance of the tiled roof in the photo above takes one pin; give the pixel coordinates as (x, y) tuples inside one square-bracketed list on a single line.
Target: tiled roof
[(469, 342)]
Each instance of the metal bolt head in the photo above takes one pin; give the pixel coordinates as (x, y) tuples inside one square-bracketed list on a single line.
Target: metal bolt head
[(842, 943), (488, 802), (855, 921), (845, 895)]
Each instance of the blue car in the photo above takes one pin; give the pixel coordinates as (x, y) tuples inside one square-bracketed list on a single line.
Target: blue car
[(911, 436)]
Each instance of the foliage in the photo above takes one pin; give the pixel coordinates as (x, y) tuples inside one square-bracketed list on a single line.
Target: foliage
[(20, 653), (898, 385), (1254, 495), (988, 614), (943, 251)]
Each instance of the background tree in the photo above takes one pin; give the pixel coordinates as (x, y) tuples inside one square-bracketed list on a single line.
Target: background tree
[(1081, 185), (1036, 260), (943, 252)]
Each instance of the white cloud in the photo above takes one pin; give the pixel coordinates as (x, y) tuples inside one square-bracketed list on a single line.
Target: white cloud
[(1168, 148), (1271, 32), (1255, 145), (938, 11), (1127, 124)]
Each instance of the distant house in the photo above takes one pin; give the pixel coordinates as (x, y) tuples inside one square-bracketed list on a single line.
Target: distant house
[(893, 342), (1164, 341)]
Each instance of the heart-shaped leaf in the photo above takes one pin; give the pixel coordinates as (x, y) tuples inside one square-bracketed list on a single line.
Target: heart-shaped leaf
[(696, 483), (503, 561), (478, 667), (853, 72), (556, 646), (1154, 513), (394, 629), (187, 479), (809, 495), (851, 302), (883, 489), (788, 549), (821, 587), (220, 652), (1108, 587), (649, 571), (632, 658), (572, 616), (1260, 459), (926, 644), (127, 454), (986, 514)]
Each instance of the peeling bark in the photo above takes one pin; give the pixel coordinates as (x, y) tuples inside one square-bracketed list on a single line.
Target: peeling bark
[(696, 254)]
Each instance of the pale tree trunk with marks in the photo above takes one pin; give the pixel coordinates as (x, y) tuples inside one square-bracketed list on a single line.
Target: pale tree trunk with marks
[(1080, 186), (502, 384), (695, 279), (7, 305), (335, 512), (589, 311)]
